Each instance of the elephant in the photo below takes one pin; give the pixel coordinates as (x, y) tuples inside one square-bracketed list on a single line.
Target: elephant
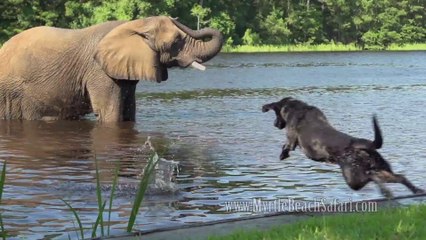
[(49, 73)]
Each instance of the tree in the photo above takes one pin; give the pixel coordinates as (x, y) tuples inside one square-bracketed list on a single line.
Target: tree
[(306, 25), (201, 13), (251, 38), (274, 29), (368, 23)]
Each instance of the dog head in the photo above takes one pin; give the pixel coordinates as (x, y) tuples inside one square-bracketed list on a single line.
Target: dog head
[(281, 111)]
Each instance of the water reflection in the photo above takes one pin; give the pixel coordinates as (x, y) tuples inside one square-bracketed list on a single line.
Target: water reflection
[(278, 92), (48, 161)]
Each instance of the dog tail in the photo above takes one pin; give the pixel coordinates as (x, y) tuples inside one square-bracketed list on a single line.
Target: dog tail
[(378, 139)]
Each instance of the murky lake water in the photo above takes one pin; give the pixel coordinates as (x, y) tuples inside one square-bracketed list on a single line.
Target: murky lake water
[(211, 123)]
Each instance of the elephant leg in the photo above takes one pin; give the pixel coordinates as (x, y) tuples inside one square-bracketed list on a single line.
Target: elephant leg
[(128, 89), (105, 99)]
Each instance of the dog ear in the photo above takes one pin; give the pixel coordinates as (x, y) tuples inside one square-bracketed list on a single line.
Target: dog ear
[(270, 106)]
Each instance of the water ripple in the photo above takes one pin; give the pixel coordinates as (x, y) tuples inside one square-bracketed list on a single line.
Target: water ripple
[(215, 93)]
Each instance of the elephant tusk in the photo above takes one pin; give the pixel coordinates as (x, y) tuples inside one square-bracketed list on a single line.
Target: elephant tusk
[(198, 66)]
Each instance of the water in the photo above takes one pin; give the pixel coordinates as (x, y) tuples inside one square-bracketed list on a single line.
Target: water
[(227, 149)]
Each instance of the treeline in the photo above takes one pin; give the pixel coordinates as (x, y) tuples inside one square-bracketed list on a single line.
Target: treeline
[(367, 23)]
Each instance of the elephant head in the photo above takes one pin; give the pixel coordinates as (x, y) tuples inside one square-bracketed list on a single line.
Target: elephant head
[(143, 49)]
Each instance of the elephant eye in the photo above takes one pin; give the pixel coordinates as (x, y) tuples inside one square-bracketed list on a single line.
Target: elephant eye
[(178, 43), (177, 39)]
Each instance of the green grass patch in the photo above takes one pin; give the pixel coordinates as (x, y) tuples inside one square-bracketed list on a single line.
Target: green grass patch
[(393, 223), (331, 47), (407, 47)]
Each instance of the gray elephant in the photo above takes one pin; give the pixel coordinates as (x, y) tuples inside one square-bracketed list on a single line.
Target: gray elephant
[(53, 73)]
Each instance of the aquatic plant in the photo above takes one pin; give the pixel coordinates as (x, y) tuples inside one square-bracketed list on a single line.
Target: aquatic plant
[(80, 226), (2, 181), (101, 206), (143, 185), (140, 193), (111, 196)]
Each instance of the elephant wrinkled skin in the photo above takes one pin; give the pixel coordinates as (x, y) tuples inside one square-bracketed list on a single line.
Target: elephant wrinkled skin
[(52, 73)]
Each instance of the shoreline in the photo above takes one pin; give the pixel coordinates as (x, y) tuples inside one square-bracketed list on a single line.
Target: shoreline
[(244, 227), (317, 48)]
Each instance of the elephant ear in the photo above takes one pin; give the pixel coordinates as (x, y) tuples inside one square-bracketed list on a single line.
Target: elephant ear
[(126, 53)]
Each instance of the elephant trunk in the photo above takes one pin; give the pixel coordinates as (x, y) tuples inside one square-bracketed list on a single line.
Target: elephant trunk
[(203, 50)]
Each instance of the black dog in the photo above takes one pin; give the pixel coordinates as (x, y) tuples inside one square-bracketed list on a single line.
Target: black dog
[(358, 158)]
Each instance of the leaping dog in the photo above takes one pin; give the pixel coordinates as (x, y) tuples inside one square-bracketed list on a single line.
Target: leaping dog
[(358, 158)]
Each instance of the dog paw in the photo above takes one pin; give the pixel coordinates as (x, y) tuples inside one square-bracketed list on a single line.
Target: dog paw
[(387, 194), (419, 191), (284, 155)]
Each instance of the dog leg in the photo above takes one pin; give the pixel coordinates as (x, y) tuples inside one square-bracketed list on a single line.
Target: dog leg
[(285, 152), (378, 180), (398, 178), (290, 145), (401, 179)]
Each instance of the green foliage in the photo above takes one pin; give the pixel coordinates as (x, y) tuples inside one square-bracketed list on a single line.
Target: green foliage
[(201, 13), (370, 24), (274, 28), (251, 38), (306, 26), (224, 23)]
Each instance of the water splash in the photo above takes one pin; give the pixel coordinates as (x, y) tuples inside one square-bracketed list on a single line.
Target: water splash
[(164, 180)]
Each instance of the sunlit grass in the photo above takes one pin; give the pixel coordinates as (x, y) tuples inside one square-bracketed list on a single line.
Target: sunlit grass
[(407, 47), (394, 223), (331, 47), (290, 48)]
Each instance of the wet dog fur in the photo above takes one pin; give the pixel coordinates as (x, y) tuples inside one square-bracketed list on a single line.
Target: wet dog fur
[(358, 158)]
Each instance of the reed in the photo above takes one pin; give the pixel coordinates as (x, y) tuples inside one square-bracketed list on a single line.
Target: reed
[(101, 207), (77, 218), (143, 185), (140, 193), (2, 181), (111, 197)]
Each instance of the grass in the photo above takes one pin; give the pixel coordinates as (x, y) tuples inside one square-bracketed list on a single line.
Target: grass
[(408, 47), (143, 185), (101, 206), (393, 223), (331, 47), (2, 181), (111, 198), (77, 218)]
